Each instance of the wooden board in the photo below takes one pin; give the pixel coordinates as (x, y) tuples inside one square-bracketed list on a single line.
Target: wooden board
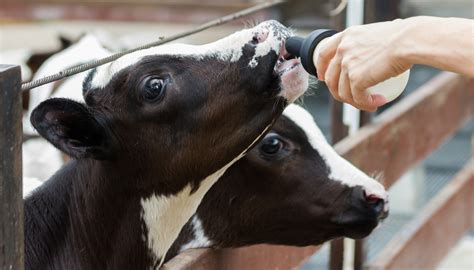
[(406, 133), (424, 242), (256, 257)]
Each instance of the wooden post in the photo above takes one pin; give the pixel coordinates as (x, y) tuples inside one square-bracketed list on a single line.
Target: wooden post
[(11, 199)]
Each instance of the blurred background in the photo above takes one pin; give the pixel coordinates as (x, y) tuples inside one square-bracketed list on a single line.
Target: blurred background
[(43, 27)]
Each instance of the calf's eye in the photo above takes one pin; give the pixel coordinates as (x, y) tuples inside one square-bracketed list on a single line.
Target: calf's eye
[(153, 88), (271, 145)]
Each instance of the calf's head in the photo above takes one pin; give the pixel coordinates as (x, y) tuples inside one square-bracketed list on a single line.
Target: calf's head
[(178, 111), (291, 189)]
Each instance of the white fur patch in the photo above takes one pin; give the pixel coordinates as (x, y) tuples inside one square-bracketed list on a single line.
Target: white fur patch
[(200, 240), (164, 216), (341, 169)]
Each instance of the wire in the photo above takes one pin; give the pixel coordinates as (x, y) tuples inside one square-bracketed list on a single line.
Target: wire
[(98, 62)]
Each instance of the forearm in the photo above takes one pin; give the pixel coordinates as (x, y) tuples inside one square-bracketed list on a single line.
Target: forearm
[(444, 43)]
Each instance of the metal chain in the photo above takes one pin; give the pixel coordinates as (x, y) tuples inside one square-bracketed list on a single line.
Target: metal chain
[(95, 63)]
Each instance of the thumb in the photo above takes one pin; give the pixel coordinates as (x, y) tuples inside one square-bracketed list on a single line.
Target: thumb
[(378, 100)]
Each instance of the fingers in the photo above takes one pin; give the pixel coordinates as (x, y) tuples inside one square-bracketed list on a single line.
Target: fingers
[(363, 100), (338, 76), (333, 74), (379, 100), (326, 52), (344, 87), (345, 93)]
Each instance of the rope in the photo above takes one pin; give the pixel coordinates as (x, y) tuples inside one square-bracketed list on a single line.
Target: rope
[(98, 62)]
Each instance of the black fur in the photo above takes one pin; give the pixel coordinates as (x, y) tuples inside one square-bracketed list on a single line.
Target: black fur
[(71, 127)]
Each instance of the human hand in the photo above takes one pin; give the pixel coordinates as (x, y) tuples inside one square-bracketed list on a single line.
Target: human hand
[(360, 57)]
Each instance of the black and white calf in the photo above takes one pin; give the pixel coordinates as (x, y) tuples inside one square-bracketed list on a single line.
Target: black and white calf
[(291, 189), (158, 129)]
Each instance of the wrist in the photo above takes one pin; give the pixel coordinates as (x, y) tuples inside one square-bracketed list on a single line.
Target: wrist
[(414, 33), (404, 47)]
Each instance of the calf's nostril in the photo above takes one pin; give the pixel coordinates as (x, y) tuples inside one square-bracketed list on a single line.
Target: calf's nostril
[(378, 207), (372, 199), (377, 204)]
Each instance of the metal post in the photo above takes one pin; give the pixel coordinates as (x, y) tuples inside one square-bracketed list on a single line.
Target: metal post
[(11, 199)]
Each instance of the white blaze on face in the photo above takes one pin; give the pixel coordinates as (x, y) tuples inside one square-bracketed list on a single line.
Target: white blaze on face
[(227, 49), (340, 169)]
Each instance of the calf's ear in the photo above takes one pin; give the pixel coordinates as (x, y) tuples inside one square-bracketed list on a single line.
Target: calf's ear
[(71, 127)]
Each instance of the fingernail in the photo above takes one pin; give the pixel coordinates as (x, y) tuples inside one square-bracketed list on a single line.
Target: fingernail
[(378, 100)]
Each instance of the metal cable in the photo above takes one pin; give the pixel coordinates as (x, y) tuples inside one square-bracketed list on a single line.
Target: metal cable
[(98, 62)]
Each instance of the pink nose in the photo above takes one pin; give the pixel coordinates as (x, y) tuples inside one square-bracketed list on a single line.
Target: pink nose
[(260, 35)]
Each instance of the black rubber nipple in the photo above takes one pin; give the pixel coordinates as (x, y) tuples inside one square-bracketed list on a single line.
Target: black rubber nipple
[(304, 47)]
